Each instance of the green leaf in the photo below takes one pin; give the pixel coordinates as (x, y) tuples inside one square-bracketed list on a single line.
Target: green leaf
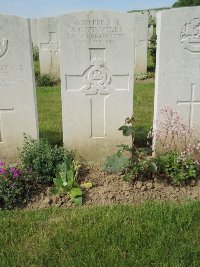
[(58, 182), (75, 192), (78, 201), (123, 128), (70, 175), (153, 167), (67, 165), (54, 191), (127, 130)]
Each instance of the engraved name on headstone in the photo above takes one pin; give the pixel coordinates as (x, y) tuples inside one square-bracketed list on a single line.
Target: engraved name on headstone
[(97, 80)]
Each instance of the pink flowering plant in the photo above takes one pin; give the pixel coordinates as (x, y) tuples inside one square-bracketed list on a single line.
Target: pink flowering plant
[(174, 136), (15, 184), (180, 146), (179, 160)]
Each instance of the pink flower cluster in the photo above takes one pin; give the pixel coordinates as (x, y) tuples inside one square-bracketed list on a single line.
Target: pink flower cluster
[(173, 135), (6, 170)]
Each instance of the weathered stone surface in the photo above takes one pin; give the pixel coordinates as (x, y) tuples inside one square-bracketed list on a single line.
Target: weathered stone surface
[(17, 102), (178, 65), (33, 23), (97, 70), (141, 42), (47, 30)]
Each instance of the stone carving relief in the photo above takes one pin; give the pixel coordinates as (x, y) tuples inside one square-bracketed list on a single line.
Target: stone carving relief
[(97, 80), (190, 35), (3, 43)]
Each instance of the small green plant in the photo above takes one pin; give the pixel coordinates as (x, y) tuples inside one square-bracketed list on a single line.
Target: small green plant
[(177, 167), (119, 162), (141, 169), (15, 185), (115, 163), (66, 181), (43, 158), (129, 129), (35, 53), (44, 80)]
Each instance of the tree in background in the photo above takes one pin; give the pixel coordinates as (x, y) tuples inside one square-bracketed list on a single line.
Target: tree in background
[(182, 3)]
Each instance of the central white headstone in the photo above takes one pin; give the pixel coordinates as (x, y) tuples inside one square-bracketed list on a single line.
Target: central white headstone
[(18, 113), (97, 80)]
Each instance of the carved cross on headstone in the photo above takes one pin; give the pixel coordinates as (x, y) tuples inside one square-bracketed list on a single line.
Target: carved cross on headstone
[(1, 124), (192, 102), (52, 46), (97, 84)]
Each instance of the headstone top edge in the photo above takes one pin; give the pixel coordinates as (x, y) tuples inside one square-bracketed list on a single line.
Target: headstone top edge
[(177, 10), (95, 11), (13, 16)]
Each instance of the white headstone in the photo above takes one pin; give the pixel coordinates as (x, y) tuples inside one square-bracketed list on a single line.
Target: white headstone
[(141, 42), (34, 32), (47, 30), (17, 102), (178, 64), (97, 70)]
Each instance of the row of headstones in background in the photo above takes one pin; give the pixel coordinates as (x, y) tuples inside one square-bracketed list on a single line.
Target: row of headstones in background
[(97, 63), (178, 65), (45, 35), (97, 77)]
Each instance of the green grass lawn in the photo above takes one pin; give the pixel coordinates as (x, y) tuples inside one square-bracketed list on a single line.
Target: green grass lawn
[(122, 236), (50, 118), (49, 114)]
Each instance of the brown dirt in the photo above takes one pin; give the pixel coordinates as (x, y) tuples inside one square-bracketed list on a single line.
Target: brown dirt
[(111, 189)]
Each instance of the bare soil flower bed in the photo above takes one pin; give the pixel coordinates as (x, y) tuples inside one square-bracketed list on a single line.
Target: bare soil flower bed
[(110, 189)]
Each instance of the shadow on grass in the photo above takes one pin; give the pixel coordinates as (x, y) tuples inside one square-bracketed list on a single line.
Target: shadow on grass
[(151, 69)]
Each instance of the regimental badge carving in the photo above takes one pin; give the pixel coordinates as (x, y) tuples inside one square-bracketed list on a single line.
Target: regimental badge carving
[(190, 35), (3, 44), (97, 79)]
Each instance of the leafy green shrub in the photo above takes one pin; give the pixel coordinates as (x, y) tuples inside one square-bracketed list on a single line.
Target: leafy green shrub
[(141, 169), (35, 53), (44, 80), (179, 168), (152, 48), (43, 158), (66, 181), (37, 69), (115, 163), (15, 184)]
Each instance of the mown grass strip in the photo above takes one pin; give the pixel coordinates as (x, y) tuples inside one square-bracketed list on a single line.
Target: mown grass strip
[(151, 234)]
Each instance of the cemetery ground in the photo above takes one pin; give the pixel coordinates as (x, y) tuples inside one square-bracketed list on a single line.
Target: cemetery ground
[(152, 233), (145, 223)]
